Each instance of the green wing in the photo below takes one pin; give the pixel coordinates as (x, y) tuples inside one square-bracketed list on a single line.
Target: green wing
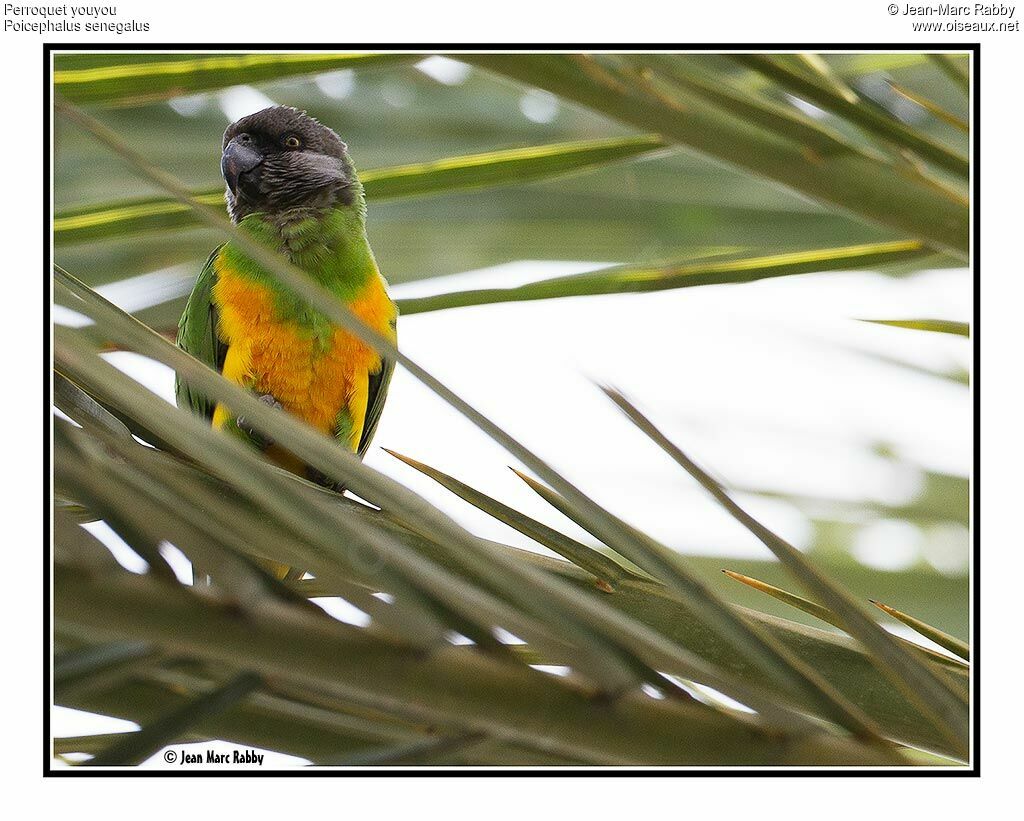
[(197, 335), (377, 393)]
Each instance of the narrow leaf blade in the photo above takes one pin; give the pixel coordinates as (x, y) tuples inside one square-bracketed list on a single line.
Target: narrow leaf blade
[(644, 279), (135, 748), (943, 639), (605, 569), (126, 81), (517, 165), (939, 326)]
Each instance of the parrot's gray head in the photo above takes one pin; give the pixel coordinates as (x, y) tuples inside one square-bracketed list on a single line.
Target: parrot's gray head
[(280, 160)]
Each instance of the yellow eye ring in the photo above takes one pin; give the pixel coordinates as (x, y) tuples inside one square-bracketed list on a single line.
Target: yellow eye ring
[(292, 141)]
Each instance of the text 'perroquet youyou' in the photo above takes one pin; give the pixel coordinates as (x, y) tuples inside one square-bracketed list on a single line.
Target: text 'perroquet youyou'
[(70, 18)]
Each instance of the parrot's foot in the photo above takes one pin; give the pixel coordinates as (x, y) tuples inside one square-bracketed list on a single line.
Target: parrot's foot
[(261, 440)]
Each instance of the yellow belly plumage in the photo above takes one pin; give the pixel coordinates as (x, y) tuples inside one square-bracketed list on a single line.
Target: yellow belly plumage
[(271, 356)]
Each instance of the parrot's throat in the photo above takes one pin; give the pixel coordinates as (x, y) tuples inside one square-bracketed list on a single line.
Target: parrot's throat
[(300, 230), (330, 245)]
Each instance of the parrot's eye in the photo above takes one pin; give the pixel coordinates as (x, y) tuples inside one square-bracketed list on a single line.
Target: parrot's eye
[(291, 141)]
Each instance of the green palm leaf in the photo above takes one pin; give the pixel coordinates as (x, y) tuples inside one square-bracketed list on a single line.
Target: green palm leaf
[(512, 166), (117, 79)]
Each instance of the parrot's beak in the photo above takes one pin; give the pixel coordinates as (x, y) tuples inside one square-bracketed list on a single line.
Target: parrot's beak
[(240, 156)]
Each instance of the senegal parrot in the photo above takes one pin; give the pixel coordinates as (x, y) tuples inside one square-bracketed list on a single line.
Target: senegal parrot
[(291, 186)]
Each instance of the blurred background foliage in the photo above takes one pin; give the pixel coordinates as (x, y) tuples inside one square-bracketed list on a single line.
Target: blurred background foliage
[(670, 206), (661, 205)]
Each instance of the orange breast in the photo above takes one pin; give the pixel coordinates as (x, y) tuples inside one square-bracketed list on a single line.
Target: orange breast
[(311, 379)]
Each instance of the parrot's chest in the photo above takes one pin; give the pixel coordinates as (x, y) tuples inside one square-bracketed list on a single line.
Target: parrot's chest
[(314, 369)]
